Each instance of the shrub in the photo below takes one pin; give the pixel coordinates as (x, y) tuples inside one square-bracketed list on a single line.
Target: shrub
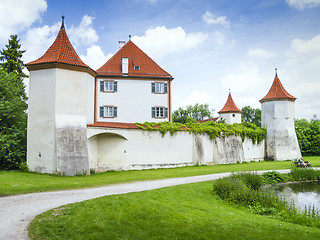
[(303, 174), (272, 178)]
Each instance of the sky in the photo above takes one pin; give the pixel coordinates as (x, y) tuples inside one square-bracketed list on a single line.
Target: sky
[(208, 46)]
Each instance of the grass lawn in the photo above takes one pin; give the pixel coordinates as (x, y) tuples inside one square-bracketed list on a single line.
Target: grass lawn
[(15, 182), (181, 212)]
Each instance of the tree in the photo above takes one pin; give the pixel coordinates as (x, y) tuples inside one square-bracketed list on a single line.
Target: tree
[(13, 117), (11, 58), (191, 113), (13, 121), (252, 115), (308, 134)]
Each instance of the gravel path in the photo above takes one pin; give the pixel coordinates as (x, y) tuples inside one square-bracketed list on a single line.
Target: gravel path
[(16, 212)]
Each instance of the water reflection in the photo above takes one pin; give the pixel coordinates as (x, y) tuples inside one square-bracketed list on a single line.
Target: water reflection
[(301, 194)]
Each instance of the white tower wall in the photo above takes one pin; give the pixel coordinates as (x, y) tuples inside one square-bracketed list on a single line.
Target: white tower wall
[(57, 121), (278, 118), (231, 118)]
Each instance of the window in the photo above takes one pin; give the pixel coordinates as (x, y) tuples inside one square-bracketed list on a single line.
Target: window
[(159, 112), (159, 87), (136, 67), (233, 115), (108, 111), (108, 86)]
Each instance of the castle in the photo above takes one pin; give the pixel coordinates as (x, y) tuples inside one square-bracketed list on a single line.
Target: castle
[(81, 119)]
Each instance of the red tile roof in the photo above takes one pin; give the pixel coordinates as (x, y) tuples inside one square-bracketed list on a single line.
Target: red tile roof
[(114, 125), (61, 51), (209, 119), (230, 106), (277, 91), (136, 57)]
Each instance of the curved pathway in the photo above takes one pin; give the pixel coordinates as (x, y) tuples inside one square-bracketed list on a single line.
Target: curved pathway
[(16, 212)]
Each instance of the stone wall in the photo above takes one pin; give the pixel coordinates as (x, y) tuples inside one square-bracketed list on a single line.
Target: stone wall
[(125, 149)]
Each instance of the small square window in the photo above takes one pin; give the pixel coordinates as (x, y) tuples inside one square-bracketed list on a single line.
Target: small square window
[(108, 86), (108, 111), (136, 67), (233, 115)]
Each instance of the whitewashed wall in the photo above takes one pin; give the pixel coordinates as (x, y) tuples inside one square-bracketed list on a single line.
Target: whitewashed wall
[(278, 118), (230, 119), (133, 100), (57, 121), (124, 149)]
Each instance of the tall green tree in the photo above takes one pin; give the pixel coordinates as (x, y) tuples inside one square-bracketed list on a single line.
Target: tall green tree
[(308, 134), (192, 113), (11, 58), (13, 122), (13, 106), (252, 115)]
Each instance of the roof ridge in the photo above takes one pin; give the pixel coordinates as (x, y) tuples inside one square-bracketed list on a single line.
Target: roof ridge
[(277, 91), (148, 67), (230, 106)]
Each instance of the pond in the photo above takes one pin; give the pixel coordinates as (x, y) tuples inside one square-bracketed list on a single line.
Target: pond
[(306, 194)]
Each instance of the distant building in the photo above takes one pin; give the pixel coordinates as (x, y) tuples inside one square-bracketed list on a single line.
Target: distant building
[(277, 116), (230, 112)]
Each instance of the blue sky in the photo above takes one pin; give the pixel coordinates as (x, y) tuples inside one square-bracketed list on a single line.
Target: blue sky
[(208, 46)]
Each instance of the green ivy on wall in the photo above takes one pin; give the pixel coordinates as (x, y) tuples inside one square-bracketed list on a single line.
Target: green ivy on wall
[(210, 128)]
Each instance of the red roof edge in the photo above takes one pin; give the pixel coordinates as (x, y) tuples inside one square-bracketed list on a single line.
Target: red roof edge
[(230, 106), (114, 125), (277, 92)]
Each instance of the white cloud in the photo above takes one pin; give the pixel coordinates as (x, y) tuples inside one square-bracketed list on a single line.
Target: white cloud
[(304, 51), (161, 41), (260, 53), (247, 84), (17, 15), (95, 57), (209, 18), (38, 40), (302, 4), (84, 33)]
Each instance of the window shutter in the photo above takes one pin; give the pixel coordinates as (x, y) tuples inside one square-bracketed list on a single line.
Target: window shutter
[(115, 111), (153, 112), (153, 87), (115, 86), (165, 87), (166, 112), (101, 86), (101, 111)]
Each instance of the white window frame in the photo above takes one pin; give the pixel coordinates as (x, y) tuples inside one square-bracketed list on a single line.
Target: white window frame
[(108, 111), (159, 87), (159, 112), (108, 86)]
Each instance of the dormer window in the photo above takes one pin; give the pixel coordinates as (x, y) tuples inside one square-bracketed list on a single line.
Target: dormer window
[(136, 67), (125, 66)]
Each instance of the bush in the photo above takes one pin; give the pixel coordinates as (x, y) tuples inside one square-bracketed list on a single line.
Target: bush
[(303, 174), (272, 178), (244, 190), (24, 167)]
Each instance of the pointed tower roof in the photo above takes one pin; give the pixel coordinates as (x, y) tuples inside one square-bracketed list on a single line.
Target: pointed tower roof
[(277, 92), (230, 106), (60, 54), (145, 66)]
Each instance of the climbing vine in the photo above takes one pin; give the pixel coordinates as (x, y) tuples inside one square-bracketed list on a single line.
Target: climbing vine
[(213, 129)]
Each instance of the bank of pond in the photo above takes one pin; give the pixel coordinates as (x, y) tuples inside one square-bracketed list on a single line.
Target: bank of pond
[(267, 194)]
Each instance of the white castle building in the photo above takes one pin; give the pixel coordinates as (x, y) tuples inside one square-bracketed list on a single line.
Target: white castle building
[(80, 119)]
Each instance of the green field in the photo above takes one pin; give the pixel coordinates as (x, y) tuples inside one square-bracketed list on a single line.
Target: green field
[(189, 211), (15, 182)]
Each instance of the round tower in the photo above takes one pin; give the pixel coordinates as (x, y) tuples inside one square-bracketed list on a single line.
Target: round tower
[(59, 105), (230, 112), (277, 116)]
